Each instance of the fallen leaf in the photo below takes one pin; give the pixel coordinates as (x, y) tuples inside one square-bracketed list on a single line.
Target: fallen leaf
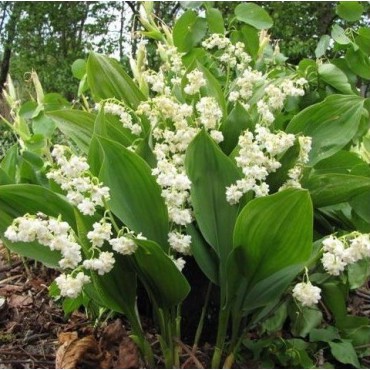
[(10, 288), (79, 353), (19, 301)]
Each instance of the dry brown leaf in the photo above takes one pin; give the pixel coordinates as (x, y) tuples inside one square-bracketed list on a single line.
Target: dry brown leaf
[(80, 353), (128, 355), (10, 288), (124, 352), (65, 339), (18, 301)]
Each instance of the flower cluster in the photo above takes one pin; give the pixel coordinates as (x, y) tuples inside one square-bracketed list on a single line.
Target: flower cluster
[(124, 116), (257, 158), (195, 81), (50, 232), (307, 294), (340, 252), (73, 176), (229, 54)]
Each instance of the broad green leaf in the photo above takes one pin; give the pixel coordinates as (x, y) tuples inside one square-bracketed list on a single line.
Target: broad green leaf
[(358, 62), (107, 79), (253, 15), (4, 178), (167, 284), (17, 200), (213, 88), (110, 127), (344, 352), (304, 320), (135, 196), (334, 297), (188, 31), (324, 335), (332, 124), (322, 46), (338, 34), (276, 321), (363, 39), (237, 121), (361, 205), (356, 328), (203, 254), (271, 288), (43, 125), (9, 162), (76, 125), (328, 189), (79, 68), (335, 77), (215, 21), (210, 172), (358, 273), (288, 160), (274, 232), (350, 11)]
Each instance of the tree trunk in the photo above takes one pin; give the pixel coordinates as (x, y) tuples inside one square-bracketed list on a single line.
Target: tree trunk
[(11, 32)]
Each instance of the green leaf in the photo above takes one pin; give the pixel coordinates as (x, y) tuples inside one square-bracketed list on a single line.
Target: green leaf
[(322, 46), (274, 232), (235, 123), (363, 39), (215, 21), (332, 124), (188, 31), (17, 200), (167, 284), (350, 11), (269, 289), (276, 321), (358, 273), (334, 296), (360, 204), (210, 172), (76, 125), (203, 254), (335, 77), (253, 15), (213, 88), (43, 125), (324, 335), (344, 352), (304, 320), (79, 68), (107, 79), (338, 34), (9, 162), (358, 62), (328, 189), (135, 196)]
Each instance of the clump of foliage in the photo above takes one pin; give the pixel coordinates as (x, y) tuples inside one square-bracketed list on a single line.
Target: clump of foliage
[(255, 169)]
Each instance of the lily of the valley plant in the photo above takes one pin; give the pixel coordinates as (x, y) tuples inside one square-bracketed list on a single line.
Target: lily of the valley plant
[(224, 154)]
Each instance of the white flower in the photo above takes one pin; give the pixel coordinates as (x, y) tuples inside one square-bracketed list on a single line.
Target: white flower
[(101, 231), (333, 245), (179, 262), (71, 286), (209, 111), (179, 242), (333, 264), (217, 136), (103, 264), (87, 207), (307, 294), (196, 81), (123, 245)]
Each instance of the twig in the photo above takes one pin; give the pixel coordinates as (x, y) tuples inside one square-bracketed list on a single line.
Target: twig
[(10, 278), (197, 363), (10, 267)]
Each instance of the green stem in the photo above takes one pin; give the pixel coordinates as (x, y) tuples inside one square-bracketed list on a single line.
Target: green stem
[(221, 336), (198, 333)]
